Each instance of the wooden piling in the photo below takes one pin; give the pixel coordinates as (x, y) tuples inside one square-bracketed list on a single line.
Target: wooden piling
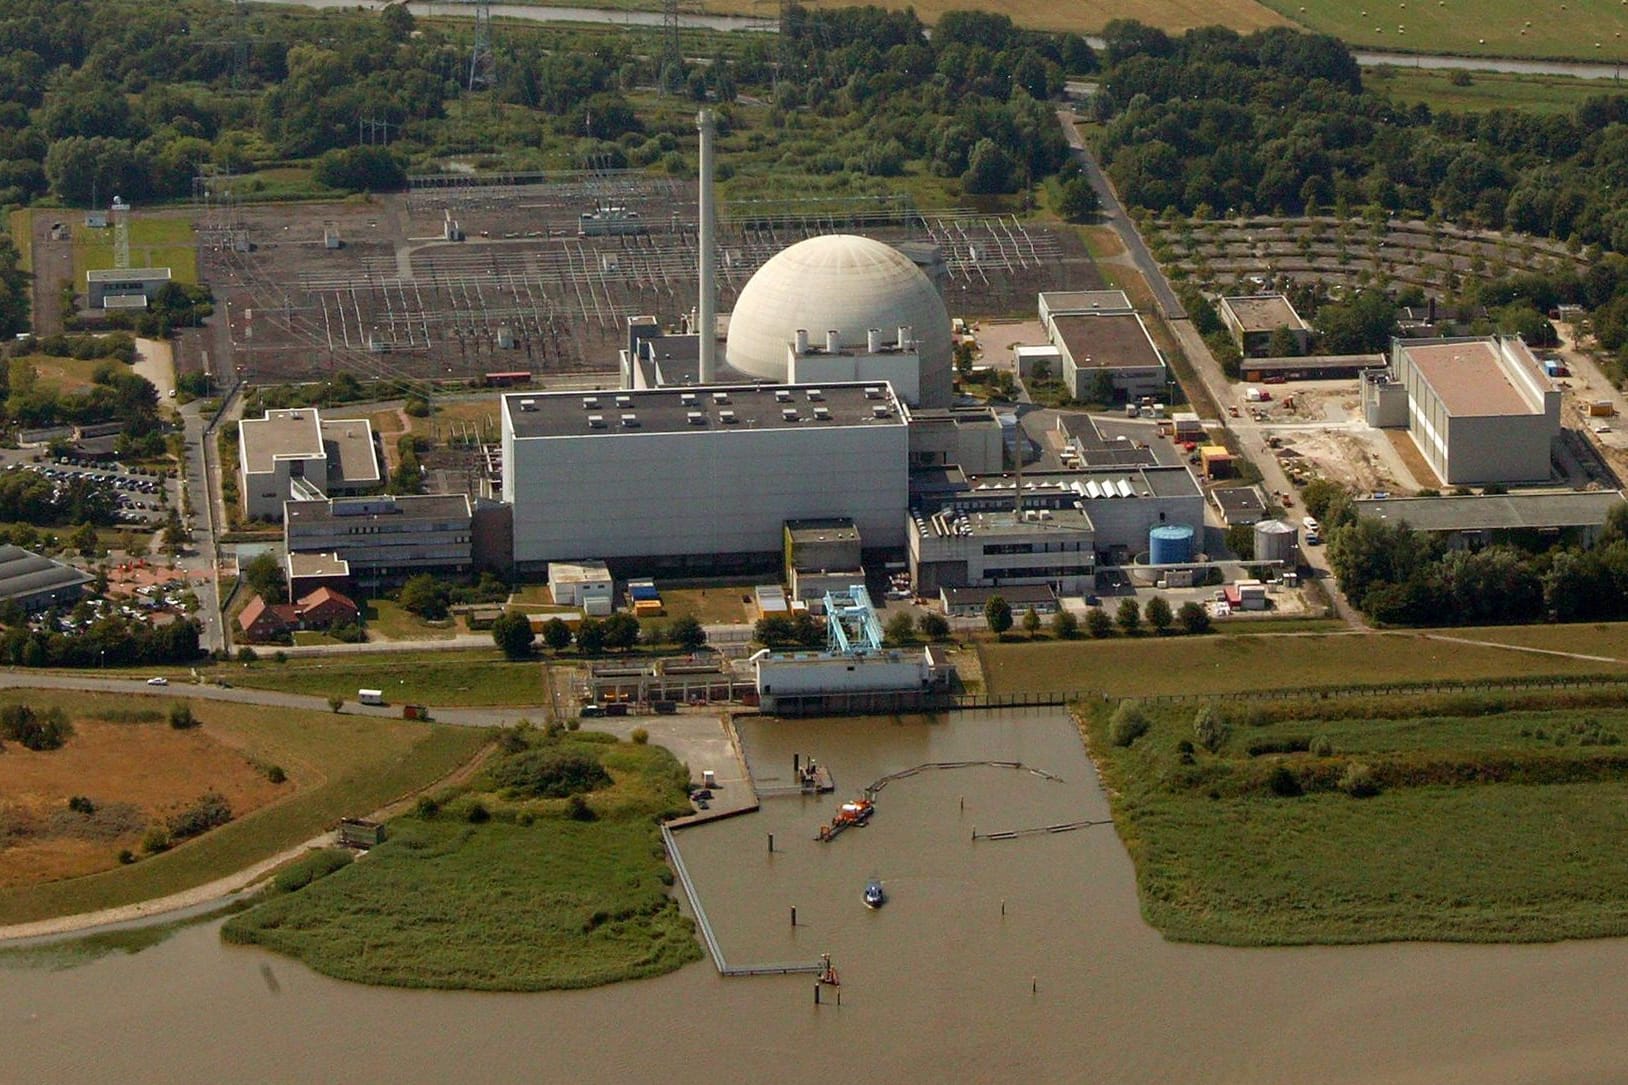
[(771, 843), (1003, 907), (816, 992), (794, 915)]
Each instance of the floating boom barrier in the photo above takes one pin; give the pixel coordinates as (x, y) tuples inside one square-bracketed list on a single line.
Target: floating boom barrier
[(942, 765), (1061, 827)]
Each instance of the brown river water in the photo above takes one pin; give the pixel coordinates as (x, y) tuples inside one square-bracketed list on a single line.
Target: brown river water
[(1069, 985)]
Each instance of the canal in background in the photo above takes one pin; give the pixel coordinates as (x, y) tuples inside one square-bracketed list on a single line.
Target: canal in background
[(936, 986)]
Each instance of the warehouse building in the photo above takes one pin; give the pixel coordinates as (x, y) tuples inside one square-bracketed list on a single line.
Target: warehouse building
[(700, 478), (1251, 319), (1097, 332), (1469, 522), (35, 582), (384, 538), (295, 455), (1481, 410)]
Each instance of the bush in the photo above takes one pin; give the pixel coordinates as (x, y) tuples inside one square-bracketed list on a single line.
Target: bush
[(548, 773), (426, 807), (276, 774), (577, 809), (1129, 724), (246, 654), (307, 869), (126, 856), (209, 811), (336, 702), (934, 627), (80, 804), (477, 814), (182, 718), (1209, 729), (1358, 781), (155, 840), (1282, 781), (640, 736), (37, 731), (1321, 746)]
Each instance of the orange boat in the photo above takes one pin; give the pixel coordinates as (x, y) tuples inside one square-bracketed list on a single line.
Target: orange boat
[(849, 814)]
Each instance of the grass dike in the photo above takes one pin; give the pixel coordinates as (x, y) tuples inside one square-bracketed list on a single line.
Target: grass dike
[(545, 872), (1444, 817)]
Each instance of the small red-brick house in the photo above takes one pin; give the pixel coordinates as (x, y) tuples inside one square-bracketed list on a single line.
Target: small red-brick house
[(261, 620), (325, 607)]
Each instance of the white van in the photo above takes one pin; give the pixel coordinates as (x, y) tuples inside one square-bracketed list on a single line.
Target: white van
[(370, 696), (1311, 525)]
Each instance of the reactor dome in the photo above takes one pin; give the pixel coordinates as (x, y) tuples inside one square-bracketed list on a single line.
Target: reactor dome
[(845, 284)]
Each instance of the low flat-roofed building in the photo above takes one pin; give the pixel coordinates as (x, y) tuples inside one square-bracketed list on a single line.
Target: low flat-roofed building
[(585, 584), (967, 436), (958, 546), (1111, 342), (821, 545), (384, 538), (1065, 302), (35, 582), (970, 602), (1481, 410), (114, 284), (1252, 318), (1470, 521), (1085, 442), (701, 477), (1239, 505), (309, 571), (1312, 367), (295, 454)]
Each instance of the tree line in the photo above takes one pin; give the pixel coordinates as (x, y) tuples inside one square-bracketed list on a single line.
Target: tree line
[(114, 641)]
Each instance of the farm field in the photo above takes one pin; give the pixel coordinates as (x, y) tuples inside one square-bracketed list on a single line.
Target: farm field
[(1448, 818), (154, 242), (335, 765), (1486, 90), (1469, 27), (1228, 664), (566, 825), (476, 677)]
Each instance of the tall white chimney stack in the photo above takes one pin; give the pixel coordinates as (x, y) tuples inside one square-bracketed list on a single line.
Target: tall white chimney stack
[(709, 263)]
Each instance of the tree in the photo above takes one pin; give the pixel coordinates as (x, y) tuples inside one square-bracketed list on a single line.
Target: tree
[(336, 702), (591, 636), (1129, 723), (774, 631), (1158, 614), (901, 629), (1098, 623), (621, 631), (512, 633), (264, 575), (1209, 729), (425, 596), (934, 627), (1193, 617), (1031, 622), (1362, 325), (1241, 540), (989, 169), (181, 717), (1283, 343), (1064, 625), (1129, 616), (398, 21), (1077, 201), (556, 634), (998, 615), (687, 633)]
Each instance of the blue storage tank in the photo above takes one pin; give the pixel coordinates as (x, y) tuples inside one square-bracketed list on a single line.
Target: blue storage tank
[(1170, 544)]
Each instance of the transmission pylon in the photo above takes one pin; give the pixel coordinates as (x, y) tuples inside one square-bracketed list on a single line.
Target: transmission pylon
[(482, 61), (672, 53)]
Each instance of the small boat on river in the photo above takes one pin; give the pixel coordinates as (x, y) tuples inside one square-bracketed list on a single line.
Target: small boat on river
[(875, 895)]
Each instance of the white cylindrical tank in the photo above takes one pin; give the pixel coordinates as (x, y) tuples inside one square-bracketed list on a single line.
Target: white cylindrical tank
[(833, 341), (1275, 541), (873, 341), (801, 339)]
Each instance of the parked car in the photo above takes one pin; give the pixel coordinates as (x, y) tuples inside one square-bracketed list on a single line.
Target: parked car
[(158, 681)]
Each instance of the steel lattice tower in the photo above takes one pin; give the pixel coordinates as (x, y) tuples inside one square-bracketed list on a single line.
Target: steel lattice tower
[(482, 61), (672, 54)]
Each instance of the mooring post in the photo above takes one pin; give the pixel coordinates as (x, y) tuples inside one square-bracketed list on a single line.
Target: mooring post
[(771, 842), (796, 763), (794, 915), (963, 804), (839, 996), (816, 992), (1003, 907), (1034, 985), (975, 833)]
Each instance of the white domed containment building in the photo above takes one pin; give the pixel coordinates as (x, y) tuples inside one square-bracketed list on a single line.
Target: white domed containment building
[(842, 307)]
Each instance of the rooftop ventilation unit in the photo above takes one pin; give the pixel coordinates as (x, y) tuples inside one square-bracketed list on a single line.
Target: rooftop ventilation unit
[(687, 399), (624, 401), (696, 418), (630, 421), (726, 416), (873, 391), (822, 413), (589, 403), (596, 421), (720, 397), (880, 411), (525, 405), (782, 395), (789, 414), (815, 395)]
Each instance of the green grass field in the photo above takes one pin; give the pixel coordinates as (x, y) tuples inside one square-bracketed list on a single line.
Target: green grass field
[(1497, 827), (342, 766), (154, 242), (1226, 664), (391, 621), (1470, 27), (1487, 90), (529, 900), (473, 677)]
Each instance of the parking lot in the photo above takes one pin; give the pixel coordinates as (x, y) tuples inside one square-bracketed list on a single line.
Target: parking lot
[(139, 498)]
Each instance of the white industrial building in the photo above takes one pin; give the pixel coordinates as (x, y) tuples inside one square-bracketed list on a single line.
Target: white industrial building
[(585, 584), (1097, 332), (294, 455), (1481, 410), (708, 475), (978, 535), (124, 287), (385, 538)]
